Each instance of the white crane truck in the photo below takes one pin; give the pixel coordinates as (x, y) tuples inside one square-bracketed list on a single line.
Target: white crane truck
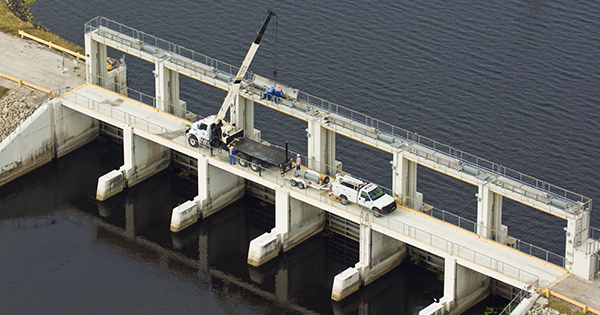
[(215, 131), (368, 195)]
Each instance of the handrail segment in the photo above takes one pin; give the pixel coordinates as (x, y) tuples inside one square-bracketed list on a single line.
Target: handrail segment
[(388, 135)]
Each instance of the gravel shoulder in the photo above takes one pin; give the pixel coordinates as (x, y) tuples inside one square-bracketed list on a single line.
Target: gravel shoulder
[(35, 63)]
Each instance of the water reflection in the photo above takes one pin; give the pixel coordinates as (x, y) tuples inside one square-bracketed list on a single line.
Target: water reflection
[(210, 256)]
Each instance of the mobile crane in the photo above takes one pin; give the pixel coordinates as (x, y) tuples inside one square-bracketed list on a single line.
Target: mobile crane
[(215, 130)]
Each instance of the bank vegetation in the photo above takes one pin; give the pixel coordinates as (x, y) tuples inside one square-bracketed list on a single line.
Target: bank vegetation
[(15, 16)]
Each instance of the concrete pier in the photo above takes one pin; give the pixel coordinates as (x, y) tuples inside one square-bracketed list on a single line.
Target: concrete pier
[(295, 221), (142, 159), (463, 287), (378, 254), (217, 189)]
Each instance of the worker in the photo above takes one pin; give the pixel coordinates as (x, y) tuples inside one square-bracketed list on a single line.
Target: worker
[(298, 161), (232, 150), (269, 93), (277, 95)]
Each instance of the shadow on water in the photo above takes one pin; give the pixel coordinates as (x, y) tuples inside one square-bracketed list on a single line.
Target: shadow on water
[(207, 260)]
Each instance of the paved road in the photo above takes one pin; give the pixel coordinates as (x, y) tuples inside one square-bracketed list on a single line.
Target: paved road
[(35, 63)]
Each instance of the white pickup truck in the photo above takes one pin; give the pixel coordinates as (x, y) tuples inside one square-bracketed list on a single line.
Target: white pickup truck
[(370, 196)]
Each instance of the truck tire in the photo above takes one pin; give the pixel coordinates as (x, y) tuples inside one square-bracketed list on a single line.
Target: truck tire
[(376, 212), (255, 166), (243, 160), (293, 183), (301, 185), (343, 200), (193, 141)]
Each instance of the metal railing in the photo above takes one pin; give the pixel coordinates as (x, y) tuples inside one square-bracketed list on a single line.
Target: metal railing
[(51, 45), (594, 246), (367, 125), (137, 96), (443, 215), (274, 175), (178, 54), (525, 293), (520, 245), (391, 134)]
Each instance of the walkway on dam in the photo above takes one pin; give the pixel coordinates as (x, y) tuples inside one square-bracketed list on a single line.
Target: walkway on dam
[(35, 63), (414, 228)]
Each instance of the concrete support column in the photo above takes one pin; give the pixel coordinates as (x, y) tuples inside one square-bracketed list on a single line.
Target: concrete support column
[(70, 129), (295, 221), (142, 158), (404, 181), (364, 243), (489, 214), (463, 287), (378, 254), (203, 179), (282, 212), (167, 90), (321, 147), (386, 253), (95, 61), (580, 259), (217, 188), (242, 117), (449, 283)]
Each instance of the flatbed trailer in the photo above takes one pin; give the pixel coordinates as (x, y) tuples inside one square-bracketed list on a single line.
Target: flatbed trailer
[(260, 155)]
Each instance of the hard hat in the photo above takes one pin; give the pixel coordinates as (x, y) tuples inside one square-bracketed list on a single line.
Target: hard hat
[(297, 154)]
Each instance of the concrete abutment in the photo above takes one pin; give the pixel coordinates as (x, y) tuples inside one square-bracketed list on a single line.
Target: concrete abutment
[(52, 131)]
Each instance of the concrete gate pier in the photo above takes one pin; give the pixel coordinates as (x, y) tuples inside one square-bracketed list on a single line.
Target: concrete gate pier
[(295, 221), (142, 159), (378, 254), (217, 188)]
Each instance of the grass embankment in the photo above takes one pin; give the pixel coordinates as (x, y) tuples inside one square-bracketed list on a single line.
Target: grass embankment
[(11, 24)]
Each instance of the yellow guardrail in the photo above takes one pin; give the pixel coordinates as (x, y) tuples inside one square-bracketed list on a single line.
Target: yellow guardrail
[(585, 308), (21, 83), (51, 45)]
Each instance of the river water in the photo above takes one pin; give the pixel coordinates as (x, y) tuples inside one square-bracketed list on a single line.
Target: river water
[(515, 82)]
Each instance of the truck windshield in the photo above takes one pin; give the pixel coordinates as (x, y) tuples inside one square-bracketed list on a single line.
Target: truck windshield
[(376, 193)]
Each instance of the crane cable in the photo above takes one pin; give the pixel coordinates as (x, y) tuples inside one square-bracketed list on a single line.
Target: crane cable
[(275, 49)]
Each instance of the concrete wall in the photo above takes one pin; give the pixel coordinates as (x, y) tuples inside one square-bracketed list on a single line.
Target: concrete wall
[(51, 131), (471, 288), (72, 129), (222, 188), (305, 221), (143, 158)]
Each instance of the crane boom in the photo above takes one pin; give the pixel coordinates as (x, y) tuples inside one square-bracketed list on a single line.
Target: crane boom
[(233, 92)]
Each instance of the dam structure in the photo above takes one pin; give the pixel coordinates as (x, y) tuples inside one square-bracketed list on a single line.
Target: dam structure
[(153, 131)]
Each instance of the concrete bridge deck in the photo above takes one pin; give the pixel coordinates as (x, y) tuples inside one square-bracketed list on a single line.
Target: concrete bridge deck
[(414, 228)]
